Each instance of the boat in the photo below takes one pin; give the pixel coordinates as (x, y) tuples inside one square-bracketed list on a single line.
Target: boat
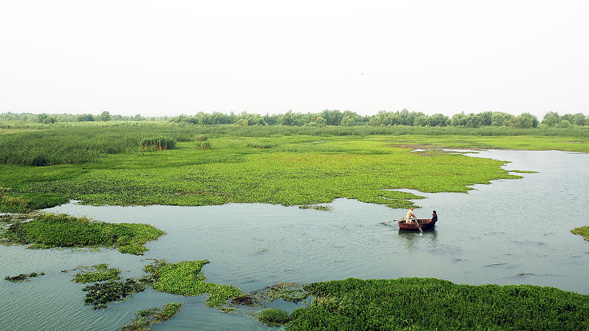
[(424, 223)]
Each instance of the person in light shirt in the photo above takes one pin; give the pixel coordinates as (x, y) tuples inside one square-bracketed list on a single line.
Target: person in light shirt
[(409, 216)]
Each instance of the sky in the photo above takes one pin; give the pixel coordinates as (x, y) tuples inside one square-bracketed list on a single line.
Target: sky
[(158, 58)]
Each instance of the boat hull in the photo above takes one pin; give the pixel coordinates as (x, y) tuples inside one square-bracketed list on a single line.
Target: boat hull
[(426, 224)]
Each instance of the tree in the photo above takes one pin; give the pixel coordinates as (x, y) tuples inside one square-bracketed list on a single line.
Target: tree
[(551, 118), (104, 116)]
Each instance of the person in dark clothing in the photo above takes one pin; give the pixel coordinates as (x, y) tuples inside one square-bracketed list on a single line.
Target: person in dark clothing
[(434, 217)]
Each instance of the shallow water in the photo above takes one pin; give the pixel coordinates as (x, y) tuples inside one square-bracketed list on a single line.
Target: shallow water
[(509, 232)]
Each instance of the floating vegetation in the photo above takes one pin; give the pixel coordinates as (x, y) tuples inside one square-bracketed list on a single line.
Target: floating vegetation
[(582, 231), (60, 230), (145, 319), (23, 277), (432, 304), (274, 316), (158, 144), (185, 278), (101, 294), (96, 273), (317, 207)]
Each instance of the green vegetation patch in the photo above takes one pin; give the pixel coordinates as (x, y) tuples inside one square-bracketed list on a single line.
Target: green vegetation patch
[(23, 277), (60, 230), (158, 144), (274, 316), (99, 295), (145, 319), (432, 304), (582, 231), (185, 278), (26, 202), (99, 163), (96, 273)]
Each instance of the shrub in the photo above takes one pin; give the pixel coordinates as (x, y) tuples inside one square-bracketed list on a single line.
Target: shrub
[(161, 143), (203, 145)]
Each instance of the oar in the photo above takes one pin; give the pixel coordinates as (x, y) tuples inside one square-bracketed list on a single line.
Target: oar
[(418, 225)]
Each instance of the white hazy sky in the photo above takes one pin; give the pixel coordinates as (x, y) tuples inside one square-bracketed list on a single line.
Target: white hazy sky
[(181, 57)]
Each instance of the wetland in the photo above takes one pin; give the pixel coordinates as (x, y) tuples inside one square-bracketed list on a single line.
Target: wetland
[(505, 218)]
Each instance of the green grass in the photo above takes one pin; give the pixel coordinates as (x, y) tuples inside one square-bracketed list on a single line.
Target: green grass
[(185, 278), (431, 304), (273, 316), (51, 230), (582, 231)]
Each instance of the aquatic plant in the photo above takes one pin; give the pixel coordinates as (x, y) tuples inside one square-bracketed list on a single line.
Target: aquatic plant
[(23, 277), (430, 304), (145, 319), (582, 231), (306, 165), (96, 273), (273, 316), (101, 294), (185, 278), (60, 230)]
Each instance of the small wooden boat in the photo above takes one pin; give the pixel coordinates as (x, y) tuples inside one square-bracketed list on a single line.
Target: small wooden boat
[(425, 224)]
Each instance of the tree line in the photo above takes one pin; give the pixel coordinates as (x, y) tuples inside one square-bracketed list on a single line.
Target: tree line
[(329, 118)]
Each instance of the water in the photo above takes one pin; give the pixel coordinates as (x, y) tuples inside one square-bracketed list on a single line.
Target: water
[(509, 232)]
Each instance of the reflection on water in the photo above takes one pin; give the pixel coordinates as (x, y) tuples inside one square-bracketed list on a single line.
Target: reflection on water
[(509, 232)]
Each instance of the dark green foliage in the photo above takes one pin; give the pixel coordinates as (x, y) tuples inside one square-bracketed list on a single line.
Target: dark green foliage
[(22, 277), (100, 294), (433, 304), (158, 144), (51, 230), (145, 319), (273, 316)]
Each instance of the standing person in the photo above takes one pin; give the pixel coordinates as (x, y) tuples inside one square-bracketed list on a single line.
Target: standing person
[(409, 215), (434, 217)]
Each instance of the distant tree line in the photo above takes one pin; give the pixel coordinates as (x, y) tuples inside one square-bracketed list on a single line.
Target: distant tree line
[(330, 118)]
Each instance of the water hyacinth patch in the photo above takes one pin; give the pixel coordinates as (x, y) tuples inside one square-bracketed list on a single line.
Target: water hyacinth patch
[(145, 319), (433, 304), (99, 295), (60, 230), (23, 277), (97, 273), (185, 278)]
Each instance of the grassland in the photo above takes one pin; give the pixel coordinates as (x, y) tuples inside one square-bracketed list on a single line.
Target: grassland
[(109, 164)]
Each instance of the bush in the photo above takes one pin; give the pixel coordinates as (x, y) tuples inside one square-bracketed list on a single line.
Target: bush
[(203, 145), (161, 143)]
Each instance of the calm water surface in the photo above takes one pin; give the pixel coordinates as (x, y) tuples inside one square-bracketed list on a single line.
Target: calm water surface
[(509, 232)]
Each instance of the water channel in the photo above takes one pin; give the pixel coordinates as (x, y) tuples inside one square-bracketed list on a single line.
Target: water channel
[(508, 232)]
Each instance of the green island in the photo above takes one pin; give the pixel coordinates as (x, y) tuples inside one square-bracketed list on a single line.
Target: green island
[(181, 162), (145, 319), (60, 230)]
